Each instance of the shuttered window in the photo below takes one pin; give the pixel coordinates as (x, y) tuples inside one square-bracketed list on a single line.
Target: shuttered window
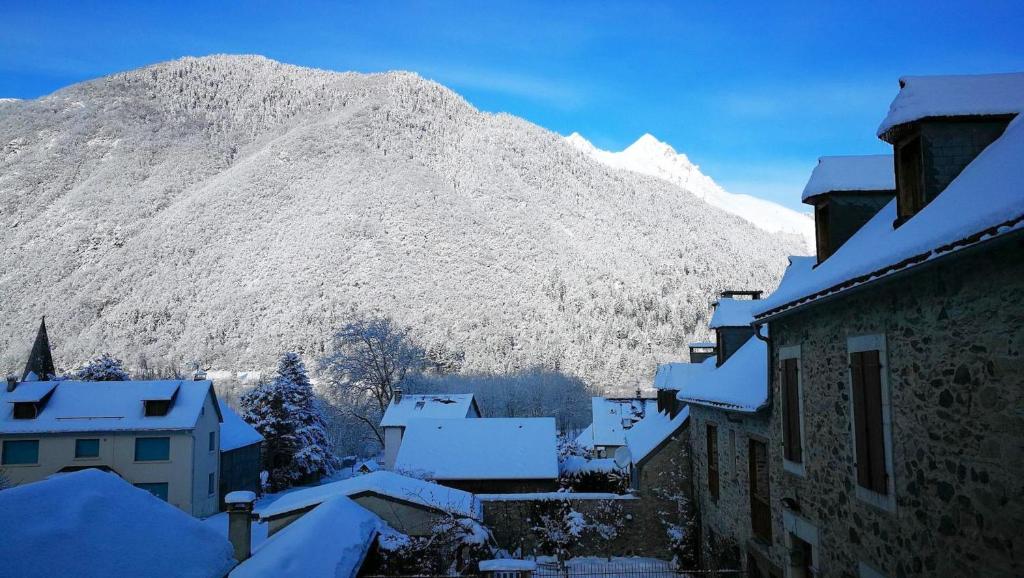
[(791, 426), (869, 437), (760, 495), (712, 445)]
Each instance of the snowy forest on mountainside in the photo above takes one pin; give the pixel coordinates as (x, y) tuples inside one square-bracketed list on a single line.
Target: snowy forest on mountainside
[(226, 209)]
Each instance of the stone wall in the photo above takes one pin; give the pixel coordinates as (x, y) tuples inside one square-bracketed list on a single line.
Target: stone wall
[(726, 536), (954, 339)]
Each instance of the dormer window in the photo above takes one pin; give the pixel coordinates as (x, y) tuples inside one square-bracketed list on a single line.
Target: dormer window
[(160, 399), (157, 407), (910, 186), (26, 410), (30, 398), (821, 231)]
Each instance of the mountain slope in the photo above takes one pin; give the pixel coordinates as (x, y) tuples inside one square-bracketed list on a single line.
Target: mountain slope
[(649, 156), (225, 209)]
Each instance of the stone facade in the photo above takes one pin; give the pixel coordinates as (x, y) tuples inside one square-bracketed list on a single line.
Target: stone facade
[(727, 538), (953, 339)]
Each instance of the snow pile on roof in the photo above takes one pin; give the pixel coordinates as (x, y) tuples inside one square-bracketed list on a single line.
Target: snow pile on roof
[(438, 406), (383, 483), (731, 312), (674, 375), (91, 523), (963, 95), (87, 406), (985, 200), (851, 173), (480, 449), (741, 383), (650, 432), (573, 465), (330, 541), (235, 432), (613, 417)]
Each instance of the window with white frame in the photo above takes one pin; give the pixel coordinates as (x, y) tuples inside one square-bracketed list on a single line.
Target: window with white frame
[(792, 400), (871, 420)]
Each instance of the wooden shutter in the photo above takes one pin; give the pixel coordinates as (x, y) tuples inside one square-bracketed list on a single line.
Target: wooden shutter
[(791, 411), (866, 372), (712, 445)]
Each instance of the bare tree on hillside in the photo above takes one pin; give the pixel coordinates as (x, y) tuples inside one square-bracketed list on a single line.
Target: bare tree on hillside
[(368, 360)]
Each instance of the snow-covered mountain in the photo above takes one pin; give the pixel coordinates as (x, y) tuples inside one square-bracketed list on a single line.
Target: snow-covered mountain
[(226, 209), (649, 156)]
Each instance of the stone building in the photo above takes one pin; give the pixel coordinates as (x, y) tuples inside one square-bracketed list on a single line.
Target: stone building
[(729, 417), (897, 356)]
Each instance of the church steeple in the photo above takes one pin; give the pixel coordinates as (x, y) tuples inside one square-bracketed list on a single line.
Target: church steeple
[(40, 360)]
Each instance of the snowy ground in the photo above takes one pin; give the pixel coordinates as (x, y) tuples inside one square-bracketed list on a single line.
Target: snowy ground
[(594, 567)]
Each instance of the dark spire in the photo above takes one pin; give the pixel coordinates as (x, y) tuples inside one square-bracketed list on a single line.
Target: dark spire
[(40, 361)]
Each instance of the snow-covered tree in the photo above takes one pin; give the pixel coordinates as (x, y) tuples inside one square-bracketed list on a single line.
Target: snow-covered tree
[(369, 359), (103, 368), (286, 412)]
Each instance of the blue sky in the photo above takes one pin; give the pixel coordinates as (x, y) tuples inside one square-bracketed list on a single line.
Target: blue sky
[(752, 91)]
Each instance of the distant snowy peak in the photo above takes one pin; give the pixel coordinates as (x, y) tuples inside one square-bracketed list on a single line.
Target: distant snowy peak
[(650, 156)]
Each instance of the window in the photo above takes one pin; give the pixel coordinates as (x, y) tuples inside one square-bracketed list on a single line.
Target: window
[(20, 452), (213, 441), (712, 445), (210, 485), (870, 421), (801, 540), (821, 230), (25, 410), (157, 407), (157, 489), (866, 371), (152, 449), (87, 448), (792, 410), (909, 182), (760, 508)]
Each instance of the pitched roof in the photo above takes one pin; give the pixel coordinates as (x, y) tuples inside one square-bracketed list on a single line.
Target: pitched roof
[(433, 405), (984, 202), (851, 173), (331, 540), (961, 95), (613, 417), (93, 406), (390, 484), (739, 384), (40, 359), (731, 312), (675, 375), (480, 449), (649, 433), (91, 523), (235, 432)]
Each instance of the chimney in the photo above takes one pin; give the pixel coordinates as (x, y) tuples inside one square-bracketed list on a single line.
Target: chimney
[(240, 522), (199, 375), (398, 395), (12, 382)]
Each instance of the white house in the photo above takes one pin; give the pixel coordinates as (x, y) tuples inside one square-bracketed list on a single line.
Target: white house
[(404, 407), (161, 436)]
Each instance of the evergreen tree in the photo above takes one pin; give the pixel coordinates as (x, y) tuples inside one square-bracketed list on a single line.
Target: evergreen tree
[(285, 412), (102, 368)]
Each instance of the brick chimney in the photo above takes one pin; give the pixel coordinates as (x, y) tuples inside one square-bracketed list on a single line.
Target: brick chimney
[(12, 382), (240, 523)]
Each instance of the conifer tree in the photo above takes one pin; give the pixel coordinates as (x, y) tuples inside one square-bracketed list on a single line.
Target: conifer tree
[(103, 368), (285, 412)]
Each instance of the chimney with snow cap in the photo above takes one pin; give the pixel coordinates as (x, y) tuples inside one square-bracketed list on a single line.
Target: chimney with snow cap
[(398, 395), (12, 382), (240, 522)]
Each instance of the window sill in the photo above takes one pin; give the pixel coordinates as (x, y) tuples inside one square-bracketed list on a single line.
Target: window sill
[(883, 502), (795, 468), (36, 465), (152, 461)]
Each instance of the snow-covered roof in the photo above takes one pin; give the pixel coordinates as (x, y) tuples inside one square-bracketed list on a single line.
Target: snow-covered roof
[(90, 406), (414, 406), (382, 483), (332, 540), (92, 523), (613, 417), (739, 384), (586, 437), (235, 432), (731, 312), (651, 431), (851, 173), (986, 200), (674, 375), (962, 95), (480, 449), (582, 465)]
